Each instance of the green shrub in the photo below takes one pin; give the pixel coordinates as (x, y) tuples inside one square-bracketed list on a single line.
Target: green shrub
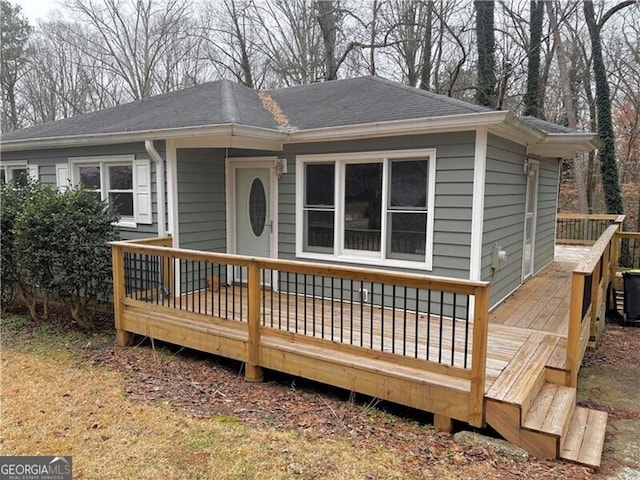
[(57, 248), (13, 197)]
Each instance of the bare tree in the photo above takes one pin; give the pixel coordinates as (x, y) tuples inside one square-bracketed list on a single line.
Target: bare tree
[(405, 23), (232, 41), (294, 47), (133, 37)]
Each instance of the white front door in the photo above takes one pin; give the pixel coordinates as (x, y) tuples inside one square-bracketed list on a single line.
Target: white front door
[(531, 210)]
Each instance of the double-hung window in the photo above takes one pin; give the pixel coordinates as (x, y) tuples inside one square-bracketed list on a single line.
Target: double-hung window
[(121, 181), (372, 208)]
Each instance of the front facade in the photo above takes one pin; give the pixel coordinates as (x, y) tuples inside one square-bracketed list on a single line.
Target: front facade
[(417, 182)]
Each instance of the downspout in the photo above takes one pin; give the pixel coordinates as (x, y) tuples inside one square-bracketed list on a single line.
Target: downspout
[(155, 156)]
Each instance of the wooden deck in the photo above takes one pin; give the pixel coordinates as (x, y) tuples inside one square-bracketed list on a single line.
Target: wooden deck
[(423, 361)]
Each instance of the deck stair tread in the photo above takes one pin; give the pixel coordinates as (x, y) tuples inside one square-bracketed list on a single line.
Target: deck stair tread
[(551, 410), (585, 437), (520, 378)]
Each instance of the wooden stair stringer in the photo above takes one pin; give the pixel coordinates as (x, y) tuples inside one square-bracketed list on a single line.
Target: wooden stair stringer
[(512, 396)]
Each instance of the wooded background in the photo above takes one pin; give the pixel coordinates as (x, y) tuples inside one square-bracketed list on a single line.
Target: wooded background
[(575, 63)]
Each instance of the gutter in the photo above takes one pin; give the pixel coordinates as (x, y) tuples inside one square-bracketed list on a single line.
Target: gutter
[(140, 136), (155, 156)]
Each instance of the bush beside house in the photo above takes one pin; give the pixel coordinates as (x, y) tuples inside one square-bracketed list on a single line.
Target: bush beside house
[(54, 247)]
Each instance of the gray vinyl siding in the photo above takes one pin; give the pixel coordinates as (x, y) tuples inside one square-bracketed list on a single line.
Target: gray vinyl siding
[(453, 196), (47, 160), (546, 218), (201, 199), (504, 207)]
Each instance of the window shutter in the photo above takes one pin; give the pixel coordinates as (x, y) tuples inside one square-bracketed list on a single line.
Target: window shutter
[(33, 172), (62, 176), (142, 191)]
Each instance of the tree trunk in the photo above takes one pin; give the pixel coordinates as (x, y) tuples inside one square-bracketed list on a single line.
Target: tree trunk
[(425, 73), (606, 152), (486, 91), (532, 97), (326, 15), (579, 165)]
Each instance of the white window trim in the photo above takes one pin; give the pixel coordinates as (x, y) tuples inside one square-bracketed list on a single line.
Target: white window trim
[(11, 165), (106, 161), (352, 256)]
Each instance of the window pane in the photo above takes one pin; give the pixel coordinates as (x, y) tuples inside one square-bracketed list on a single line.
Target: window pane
[(20, 176), (408, 235), (409, 183), (3, 179), (319, 230), (257, 207), (90, 177), (363, 206), (122, 203), (319, 183), (121, 177)]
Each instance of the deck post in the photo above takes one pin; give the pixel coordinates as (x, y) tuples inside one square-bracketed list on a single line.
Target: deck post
[(596, 297), (574, 327), (253, 372), (479, 355), (615, 255), (123, 338), (442, 423)]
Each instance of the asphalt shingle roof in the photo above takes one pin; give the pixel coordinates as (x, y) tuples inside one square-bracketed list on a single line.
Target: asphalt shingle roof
[(363, 100), (546, 126), (329, 104), (213, 103)]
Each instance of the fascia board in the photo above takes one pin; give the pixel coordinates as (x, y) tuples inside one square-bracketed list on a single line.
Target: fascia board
[(226, 130), (398, 127), (564, 145)]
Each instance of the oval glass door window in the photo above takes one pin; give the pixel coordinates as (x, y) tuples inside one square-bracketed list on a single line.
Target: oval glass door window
[(257, 207)]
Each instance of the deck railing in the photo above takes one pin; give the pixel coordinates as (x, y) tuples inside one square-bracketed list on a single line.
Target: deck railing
[(436, 324), (579, 229), (629, 248), (590, 281)]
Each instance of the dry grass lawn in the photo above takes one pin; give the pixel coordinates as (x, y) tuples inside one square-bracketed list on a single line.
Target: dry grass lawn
[(55, 402), (54, 406)]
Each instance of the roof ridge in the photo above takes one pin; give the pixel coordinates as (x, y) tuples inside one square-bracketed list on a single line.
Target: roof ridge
[(230, 109)]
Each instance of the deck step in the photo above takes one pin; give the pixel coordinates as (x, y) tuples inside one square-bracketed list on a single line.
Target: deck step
[(522, 379), (585, 437), (551, 410)]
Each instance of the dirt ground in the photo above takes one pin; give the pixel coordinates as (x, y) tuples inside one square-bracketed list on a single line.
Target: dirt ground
[(610, 381)]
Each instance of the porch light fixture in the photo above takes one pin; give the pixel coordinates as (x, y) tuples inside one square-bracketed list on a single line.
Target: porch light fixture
[(280, 166)]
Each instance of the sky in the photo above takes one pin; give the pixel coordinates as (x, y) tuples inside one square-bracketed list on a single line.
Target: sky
[(35, 9)]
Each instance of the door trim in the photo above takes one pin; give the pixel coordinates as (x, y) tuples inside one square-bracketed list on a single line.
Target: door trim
[(233, 163), (529, 270)]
